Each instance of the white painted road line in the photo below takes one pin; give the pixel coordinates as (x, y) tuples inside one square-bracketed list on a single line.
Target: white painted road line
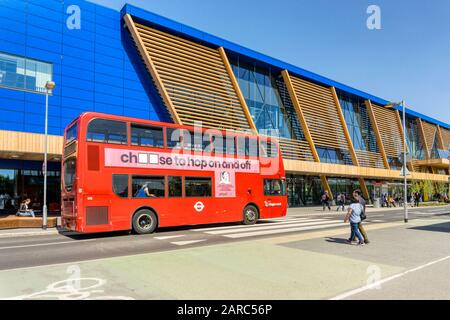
[(287, 230), (272, 227), (47, 244), (169, 237), (379, 283), (439, 211), (185, 243), (260, 224), (424, 213)]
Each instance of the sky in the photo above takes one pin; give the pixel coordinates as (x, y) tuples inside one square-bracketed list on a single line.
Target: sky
[(408, 58)]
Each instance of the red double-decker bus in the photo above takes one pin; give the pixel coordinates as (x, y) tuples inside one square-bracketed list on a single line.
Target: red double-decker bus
[(121, 173)]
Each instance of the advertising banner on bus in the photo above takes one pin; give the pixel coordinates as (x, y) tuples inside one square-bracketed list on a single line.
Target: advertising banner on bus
[(224, 168)]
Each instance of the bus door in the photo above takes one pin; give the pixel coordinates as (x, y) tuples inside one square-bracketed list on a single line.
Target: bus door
[(274, 190)]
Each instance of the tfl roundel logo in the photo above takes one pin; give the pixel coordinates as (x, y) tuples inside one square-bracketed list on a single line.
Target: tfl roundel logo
[(199, 206)]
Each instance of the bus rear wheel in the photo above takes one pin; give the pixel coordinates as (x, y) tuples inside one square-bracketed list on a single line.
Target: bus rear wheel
[(145, 222), (250, 215)]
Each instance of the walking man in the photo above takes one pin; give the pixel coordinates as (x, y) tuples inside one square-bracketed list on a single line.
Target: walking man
[(357, 194), (354, 217)]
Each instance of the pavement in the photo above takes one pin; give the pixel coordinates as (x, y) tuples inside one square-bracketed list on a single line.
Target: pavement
[(300, 257)]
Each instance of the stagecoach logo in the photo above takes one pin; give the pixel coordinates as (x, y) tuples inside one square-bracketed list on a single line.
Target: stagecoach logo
[(199, 206), (271, 205)]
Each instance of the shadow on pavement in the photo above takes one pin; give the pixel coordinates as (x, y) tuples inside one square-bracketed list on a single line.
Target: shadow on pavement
[(337, 240), (440, 227)]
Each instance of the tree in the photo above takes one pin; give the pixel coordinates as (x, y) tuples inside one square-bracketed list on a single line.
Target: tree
[(440, 188), (416, 187), (427, 187)]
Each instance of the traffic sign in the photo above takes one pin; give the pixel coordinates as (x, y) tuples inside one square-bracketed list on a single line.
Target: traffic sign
[(402, 173)]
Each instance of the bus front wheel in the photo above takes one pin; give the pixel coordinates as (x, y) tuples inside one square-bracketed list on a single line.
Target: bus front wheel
[(250, 215), (145, 222)]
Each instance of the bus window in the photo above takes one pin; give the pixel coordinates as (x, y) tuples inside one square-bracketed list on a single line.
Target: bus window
[(224, 145), (148, 187), (247, 147), (120, 185), (218, 145), (175, 187), (200, 142), (272, 150), (147, 136), (107, 131), (230, 146), (274, 187), (268, 149), (70, 166), (198, 187), (175, 138), (72, 133), (207, 144)]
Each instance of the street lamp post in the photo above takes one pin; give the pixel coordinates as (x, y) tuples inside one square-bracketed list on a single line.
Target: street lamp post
[(50, 85), (405, 195), (405, 200)]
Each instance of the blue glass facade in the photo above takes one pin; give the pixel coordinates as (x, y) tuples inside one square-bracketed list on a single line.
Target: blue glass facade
[(414, 140), (358, 123), (95, 67), (260, 89)]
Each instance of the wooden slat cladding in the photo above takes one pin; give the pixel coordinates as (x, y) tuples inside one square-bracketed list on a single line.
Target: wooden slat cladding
[(196, 80), (446, 138), (390, 132), (24, 142), (370, 159), (430, 131), (296, 150), (320, 112)]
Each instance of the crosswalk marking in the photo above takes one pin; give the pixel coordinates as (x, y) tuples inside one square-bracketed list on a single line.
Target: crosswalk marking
[(169, 237), (278, 231), (273, 227), (290, 221), (438, 211), (185, 243)]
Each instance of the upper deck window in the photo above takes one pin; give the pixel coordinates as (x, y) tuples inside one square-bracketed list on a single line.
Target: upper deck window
[(147, 136), (72, 133), (268, 149), (247, 147), (107, 131)]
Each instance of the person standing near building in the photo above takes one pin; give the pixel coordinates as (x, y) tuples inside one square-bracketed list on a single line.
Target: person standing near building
[(326, 201), (341, 202)]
